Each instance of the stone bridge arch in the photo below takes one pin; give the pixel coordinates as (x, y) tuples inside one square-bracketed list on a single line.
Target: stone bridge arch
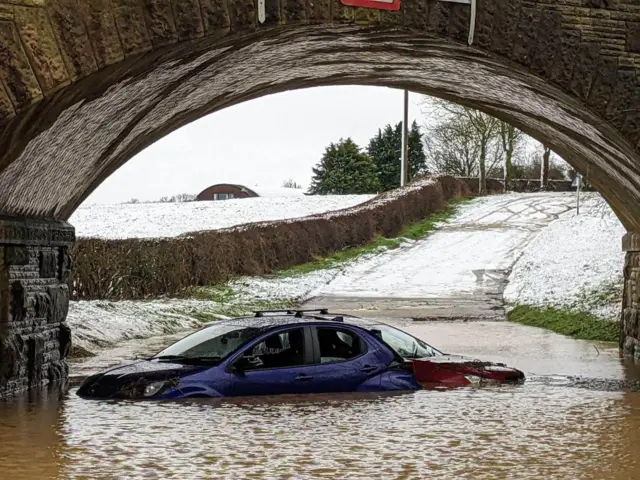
[(87, 84)]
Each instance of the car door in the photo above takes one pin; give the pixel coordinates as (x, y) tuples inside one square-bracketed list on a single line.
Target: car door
[(278, 363), (343, 359)]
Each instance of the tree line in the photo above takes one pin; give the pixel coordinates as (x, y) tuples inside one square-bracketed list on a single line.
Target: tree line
[(456, 140)]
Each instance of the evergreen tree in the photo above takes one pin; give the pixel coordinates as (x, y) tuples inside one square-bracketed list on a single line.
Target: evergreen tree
[(386, 151), (344, 169)]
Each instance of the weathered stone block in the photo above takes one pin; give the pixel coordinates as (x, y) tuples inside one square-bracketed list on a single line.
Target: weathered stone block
[(59, 303), (132, 30), (295, 11), (585, 68), (341, 13), (160, 23), (188, 18), (42, 304), (320, 11), (215, 15), (547, 40), (35, 358), (7, 111), (505, 26), (72, 37), (633, 37), (16, 73), (65, 264), (242, 14), (16, 255), (603, 84), (525, 40), (101, 28), (432, 16), (41, 46), (17, 303), (64, 337), (10, 358), (626, 93), (273, 15), (458, 27), (48, 264), (564, 60)]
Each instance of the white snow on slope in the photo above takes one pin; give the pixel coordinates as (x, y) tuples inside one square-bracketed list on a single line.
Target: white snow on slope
[(103, 323), (487, 234), (576, 255), (157, 220)]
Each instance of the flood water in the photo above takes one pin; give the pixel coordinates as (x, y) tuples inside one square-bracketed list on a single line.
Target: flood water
[(576, 417)]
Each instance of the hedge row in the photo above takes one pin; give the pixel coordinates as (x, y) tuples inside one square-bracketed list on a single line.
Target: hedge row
[(143, 268)]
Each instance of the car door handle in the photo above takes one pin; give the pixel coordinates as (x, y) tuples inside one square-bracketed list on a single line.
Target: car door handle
[(303, 378), (368, 369)]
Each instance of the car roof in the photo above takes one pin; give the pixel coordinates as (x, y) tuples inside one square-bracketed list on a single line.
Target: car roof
[(267, 319)]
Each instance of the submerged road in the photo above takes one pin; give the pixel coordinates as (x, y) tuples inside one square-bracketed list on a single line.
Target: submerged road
[(458, 272), (576, 417)]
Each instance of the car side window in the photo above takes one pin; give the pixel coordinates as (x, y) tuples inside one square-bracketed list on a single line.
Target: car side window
[(338, 345), (284, 349)]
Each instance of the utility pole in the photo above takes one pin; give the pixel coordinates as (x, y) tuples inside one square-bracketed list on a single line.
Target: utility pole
[(404, 165)]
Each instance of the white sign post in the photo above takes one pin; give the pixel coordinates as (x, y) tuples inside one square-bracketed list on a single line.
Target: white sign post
[(472, 19), (576, 183)]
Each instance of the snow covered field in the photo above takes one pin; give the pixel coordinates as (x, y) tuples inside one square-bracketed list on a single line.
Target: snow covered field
[(154, 220), (554, 258)]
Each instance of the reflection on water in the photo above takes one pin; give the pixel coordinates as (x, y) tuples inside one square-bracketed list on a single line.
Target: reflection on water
[(535, 430)]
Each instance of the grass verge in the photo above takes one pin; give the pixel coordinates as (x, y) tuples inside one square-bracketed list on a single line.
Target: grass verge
[(573, 324), (415, 231)]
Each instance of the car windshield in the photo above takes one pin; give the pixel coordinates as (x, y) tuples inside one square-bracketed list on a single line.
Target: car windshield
[(217, 341), (404, 344)]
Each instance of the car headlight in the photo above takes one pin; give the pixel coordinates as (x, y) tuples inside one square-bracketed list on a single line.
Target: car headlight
[(474, 379), (153, 388)]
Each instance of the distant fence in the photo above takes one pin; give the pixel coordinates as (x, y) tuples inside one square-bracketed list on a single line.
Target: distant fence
[(495, 185), (143, 268)]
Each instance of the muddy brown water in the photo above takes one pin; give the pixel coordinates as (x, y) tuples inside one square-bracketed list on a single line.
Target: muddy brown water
[(576, 417)]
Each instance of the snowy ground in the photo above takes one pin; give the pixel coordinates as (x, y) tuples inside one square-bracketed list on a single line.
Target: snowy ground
[(535, 242), (154, 220), (576, 263), (485, 237)]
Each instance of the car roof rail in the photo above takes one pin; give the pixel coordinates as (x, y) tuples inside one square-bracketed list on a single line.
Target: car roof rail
[(260, 313), (292, 311)]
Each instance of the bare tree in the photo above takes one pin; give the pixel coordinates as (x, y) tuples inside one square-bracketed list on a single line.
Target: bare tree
[(512, 140), (462, 136), (291, 183)]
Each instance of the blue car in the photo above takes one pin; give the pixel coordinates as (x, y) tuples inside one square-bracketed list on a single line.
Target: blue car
[(286, 352)]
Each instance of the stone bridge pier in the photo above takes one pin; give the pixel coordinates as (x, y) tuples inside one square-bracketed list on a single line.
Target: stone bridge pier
[(630, 321), (34, 300)]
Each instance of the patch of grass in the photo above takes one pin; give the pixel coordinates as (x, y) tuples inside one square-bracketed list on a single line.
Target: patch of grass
[(415, 231), (215, 293), (241, 309), (606, 294), (573, 324)]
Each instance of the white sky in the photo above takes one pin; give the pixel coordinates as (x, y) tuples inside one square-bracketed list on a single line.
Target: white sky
[(264, 142)]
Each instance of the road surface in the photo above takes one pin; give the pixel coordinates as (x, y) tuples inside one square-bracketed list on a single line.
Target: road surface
[(459, 272)]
